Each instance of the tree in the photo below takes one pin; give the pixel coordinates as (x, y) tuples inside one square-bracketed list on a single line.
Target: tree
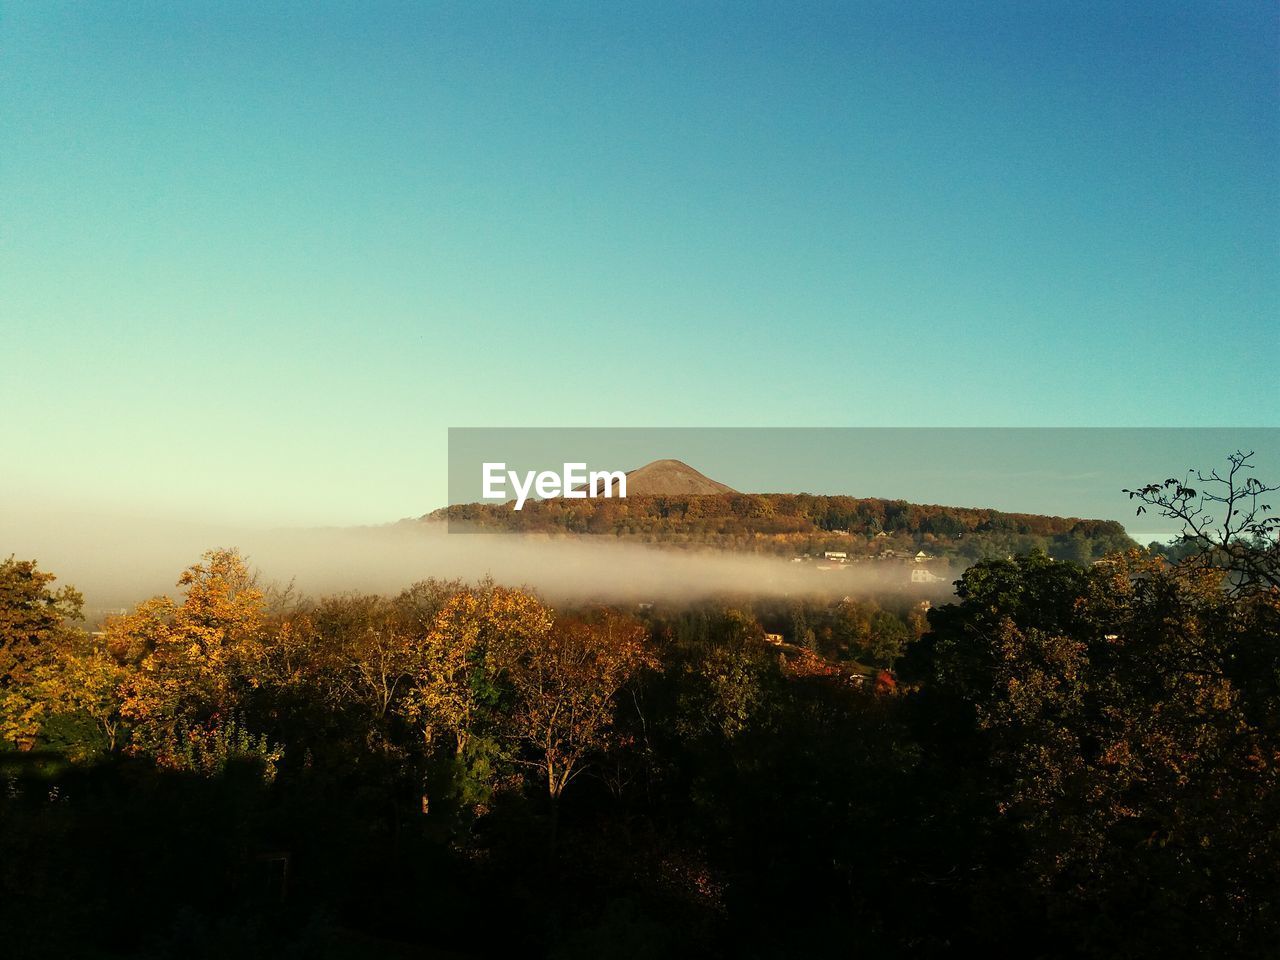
[(376, 653), (472, 639), (88, 680), (32, 618), (1224, 519), (850, 624), (1126, 716), (192, 662), (32, 633), (727, 679), (888, 637), (418, 605), (564, 681)]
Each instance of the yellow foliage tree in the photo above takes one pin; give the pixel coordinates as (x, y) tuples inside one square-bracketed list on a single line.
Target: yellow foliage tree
[(192, 659), (33, 632), (457, 657), (90, 681)]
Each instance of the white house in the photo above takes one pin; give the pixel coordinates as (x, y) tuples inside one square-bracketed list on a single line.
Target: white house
[(921, 575)]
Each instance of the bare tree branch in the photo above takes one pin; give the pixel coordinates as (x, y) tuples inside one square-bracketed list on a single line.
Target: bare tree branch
[(1244, 541)]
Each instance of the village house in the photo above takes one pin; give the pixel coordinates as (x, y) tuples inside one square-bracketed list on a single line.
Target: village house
[(922, 575)]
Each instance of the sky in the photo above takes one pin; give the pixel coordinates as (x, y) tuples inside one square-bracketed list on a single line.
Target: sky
[(257, 259)]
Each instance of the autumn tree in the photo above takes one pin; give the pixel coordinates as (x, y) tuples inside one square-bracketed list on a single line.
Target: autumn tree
[(418, 605), (455, 700), (564, 681), (194, 660), (376, 654), (468, 643), (32, 617), (33, 632), (84, 678)]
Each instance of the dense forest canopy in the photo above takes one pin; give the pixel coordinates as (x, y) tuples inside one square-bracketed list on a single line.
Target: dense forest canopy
[(1067, 760)]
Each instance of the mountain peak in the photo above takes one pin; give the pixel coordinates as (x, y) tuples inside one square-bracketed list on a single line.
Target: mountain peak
[(672, 478)]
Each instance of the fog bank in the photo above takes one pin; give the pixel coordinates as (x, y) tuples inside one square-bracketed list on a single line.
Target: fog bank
[(117, 562)]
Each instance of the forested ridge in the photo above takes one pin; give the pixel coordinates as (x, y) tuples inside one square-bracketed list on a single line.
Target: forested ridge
[(787, 524)]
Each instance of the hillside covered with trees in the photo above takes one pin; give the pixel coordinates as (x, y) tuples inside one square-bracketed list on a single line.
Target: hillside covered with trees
[(793, 524)]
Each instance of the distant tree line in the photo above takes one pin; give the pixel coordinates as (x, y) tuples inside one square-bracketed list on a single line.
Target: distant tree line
[(798, 523)]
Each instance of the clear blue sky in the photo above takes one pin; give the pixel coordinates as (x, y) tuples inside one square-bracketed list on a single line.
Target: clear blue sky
[(256, 258)]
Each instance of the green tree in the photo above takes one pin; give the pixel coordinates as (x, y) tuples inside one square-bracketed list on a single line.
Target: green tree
[(888, 638), (727, 682), (1131, 761)]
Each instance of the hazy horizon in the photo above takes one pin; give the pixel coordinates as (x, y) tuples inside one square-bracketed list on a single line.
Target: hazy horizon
[(116, 563)]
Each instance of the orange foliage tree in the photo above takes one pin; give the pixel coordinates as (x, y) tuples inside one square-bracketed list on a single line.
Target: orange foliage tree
[(191, 661), (564, 682)]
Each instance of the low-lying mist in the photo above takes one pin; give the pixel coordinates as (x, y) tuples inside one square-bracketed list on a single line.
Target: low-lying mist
[(116, 563)]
